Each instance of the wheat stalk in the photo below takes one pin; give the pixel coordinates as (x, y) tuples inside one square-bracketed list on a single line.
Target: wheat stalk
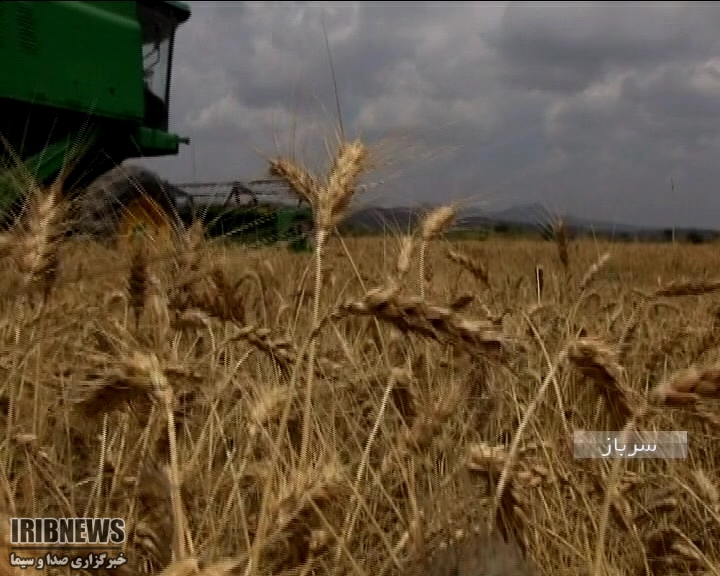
[(688, 386), (414, 315), (475, 267)]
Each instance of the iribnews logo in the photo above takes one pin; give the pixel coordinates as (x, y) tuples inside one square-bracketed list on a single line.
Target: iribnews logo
[(56, 532)]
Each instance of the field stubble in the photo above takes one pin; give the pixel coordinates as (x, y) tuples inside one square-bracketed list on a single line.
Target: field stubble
[(376, 408)]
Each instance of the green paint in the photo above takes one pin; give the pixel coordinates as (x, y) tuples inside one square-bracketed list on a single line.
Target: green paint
[(97, 69)]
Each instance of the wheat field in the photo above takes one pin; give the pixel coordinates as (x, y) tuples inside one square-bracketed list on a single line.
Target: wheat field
[(395, 405)]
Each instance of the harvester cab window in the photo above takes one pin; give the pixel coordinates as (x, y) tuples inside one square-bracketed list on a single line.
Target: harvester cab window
[(158, 31)]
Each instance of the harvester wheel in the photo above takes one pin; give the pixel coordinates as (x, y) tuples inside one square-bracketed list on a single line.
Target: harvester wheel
[(125, 201), (303, 236), (144, 215)]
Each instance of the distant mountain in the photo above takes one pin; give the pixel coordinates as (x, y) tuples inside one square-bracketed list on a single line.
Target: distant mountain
[(538, 216), (530, 217), (377, 219), (523, 214), (533, 218)]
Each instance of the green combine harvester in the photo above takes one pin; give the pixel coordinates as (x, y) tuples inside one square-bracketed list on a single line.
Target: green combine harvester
[(258, 212), (90, 82)]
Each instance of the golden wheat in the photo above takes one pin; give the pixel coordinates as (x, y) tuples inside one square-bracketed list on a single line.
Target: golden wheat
[(262, 412)]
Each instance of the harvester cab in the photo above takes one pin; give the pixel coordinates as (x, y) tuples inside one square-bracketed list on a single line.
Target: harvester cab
[(158, 24), (89, 83)]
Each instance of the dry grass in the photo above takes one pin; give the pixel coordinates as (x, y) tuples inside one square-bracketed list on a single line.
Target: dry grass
[(362, 410)]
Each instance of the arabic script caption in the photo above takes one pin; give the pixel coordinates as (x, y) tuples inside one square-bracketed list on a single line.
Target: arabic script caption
[(87, 562), (620, 450)]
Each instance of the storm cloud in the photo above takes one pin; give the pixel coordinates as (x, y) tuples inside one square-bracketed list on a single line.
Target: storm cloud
[(590, 108)]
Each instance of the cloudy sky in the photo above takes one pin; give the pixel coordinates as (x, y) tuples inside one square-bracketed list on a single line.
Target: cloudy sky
[(591, 109)]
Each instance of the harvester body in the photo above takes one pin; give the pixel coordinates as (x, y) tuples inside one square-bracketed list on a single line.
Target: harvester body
[(249, 214), (89, 81)]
